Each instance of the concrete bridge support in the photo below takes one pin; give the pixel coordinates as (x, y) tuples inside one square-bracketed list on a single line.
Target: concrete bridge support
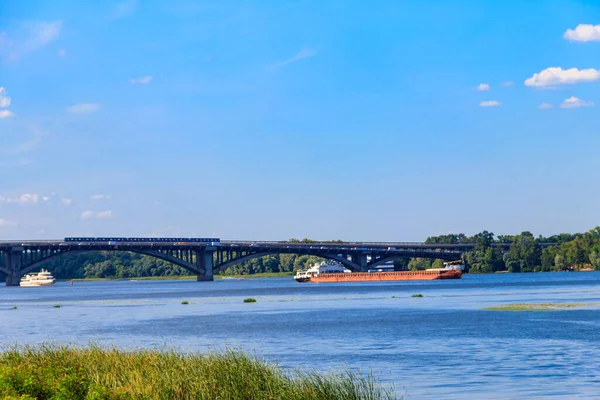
[(14, 263), (204, 261), (361, 261)]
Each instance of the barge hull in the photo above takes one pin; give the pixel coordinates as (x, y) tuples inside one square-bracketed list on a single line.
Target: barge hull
[(387, 276)]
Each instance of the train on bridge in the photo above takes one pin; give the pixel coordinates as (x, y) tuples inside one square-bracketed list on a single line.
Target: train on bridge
[(141, 240)]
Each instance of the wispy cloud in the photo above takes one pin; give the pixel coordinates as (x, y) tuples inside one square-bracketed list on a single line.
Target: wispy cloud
[(100, 197), (558, 76), (37, 135), (545, 106), (507, 84), (66, 202), (84, 108), (26, 198), (490, 103), (483, 87), (6, 114), (574, 102), (301, 55), (125, 8), (144, 80), (4, 102), (96, 214), (6, 223), (4, 99), (583, 33), (27, 37), (46, 32)]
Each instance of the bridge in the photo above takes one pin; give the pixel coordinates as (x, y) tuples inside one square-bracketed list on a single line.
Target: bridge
[(204, 259)]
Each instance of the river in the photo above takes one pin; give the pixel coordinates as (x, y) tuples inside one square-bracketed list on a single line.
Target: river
[(441, 346)]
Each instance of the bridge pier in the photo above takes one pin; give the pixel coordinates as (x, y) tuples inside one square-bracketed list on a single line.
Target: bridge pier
[(361, 261), (14, 263), (204, 261)]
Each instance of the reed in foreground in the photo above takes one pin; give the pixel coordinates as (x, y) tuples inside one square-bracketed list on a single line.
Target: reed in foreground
[(61, 372)]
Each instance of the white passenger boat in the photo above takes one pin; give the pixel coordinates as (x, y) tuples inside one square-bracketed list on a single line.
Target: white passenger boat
[(320, 268), (43, 278)]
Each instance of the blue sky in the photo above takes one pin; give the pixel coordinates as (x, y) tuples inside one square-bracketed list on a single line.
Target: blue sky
[(380, 120)]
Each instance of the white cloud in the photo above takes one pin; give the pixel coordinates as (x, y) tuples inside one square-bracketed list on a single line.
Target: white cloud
[(104, 214), (490, 103), (483, 87), (507, 84), (558, 76), (66, 202), (87, 215), (45, 198), (62, 52), (96, 215), (84, 108), (28, 145), (583, 33), (28, 36), (46, 32), (4, 99), (545, 106), (100, 197), (144, 80), (23, 199), (125, 8), (6, 114), (302, 54), (7, 224), (29, 198), (574, 102)]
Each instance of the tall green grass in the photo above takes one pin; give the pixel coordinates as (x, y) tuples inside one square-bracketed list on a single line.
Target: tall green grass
[(61, 372)]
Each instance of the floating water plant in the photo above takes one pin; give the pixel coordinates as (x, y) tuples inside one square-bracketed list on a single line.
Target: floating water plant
[(184, 302), (536, 307), (250, 300), (57, 306), (417, 295)]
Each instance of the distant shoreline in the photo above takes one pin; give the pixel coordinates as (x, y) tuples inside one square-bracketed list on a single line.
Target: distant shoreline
[(182, 277)]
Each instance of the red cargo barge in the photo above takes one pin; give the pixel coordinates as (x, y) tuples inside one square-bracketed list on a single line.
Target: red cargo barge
[(336, 272)]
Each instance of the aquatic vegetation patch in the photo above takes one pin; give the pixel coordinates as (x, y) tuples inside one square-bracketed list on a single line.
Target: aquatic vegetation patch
[(417, 295), (62, 372), (185, 302), (250, 300), (536, 307), (57, 306)]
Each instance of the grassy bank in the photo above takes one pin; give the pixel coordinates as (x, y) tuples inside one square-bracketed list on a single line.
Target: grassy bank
[(56, 372)]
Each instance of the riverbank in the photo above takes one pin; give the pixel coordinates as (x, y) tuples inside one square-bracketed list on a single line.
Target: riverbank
[(183, 277), (47, 372)]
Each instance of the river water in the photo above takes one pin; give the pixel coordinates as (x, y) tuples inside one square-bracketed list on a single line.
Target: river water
[(441, 346)]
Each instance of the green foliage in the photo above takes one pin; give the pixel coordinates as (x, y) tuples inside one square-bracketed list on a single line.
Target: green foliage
[(419, 264), (524, 254), (250, 300), (57, 372), (185, 302), (417, 295), (595, 259), (449, 239)]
